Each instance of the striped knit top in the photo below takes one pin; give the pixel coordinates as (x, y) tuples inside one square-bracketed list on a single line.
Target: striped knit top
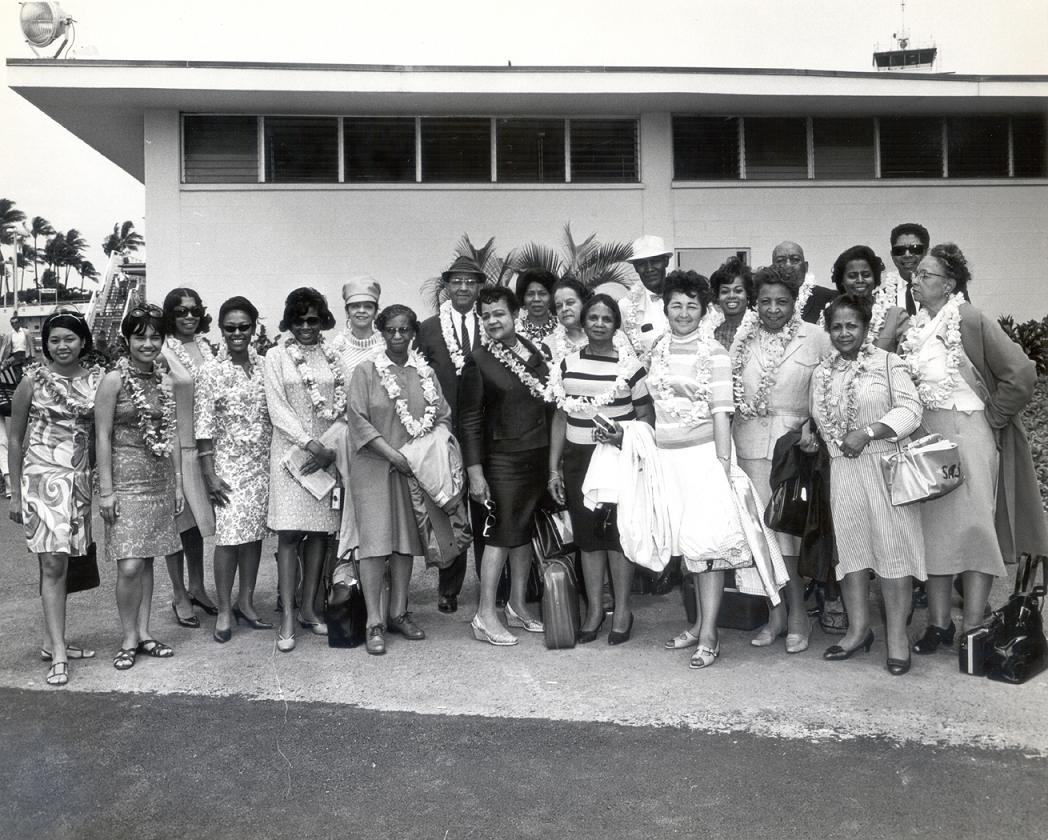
[(587, 375), (693, 363), (352, 351)]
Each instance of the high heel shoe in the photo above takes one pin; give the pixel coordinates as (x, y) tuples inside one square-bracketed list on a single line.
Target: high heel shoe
[(934, 637), (482, 634), (210, 609), (317, 628), (285, 645), (898, 667), (835, 653), (587, 636), (528, 624), (798, 642), (253, 623), (616, 637), (193, 622), (223, 636)]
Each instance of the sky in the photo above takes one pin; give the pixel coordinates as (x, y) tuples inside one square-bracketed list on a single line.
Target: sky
[(48, 172)]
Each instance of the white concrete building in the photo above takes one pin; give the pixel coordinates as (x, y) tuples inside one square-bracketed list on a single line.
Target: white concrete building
[(262, 177)]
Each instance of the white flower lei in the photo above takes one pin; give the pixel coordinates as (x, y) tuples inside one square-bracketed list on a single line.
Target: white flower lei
[(176, 346), (458, 358), (883, 300), (659, 380), (579, 405), (50, 383), (749, 329), (415, 428), (512, 362), (532, 333), (560, 345), (630, 306), (835, 423), (936, 396), (158, 433), (804, 292), (338, 403)]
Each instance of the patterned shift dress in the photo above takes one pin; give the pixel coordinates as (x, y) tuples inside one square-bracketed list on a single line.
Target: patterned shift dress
[(56, 473)]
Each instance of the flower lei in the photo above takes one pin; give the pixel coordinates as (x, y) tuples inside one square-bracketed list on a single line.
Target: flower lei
[(179, 351), (157, 432), (534, 333), (804, 292), (415, 428), (935, 396), (458, 358), (243, 406), (659, 381), (631, 306), (338, 403), (749, 330), (49, 382), (512, 362), (835, 423), (883, 300), (560, 345), (579, 405)]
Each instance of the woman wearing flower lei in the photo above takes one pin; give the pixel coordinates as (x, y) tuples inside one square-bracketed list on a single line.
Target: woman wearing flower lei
[(732, 286), (187, 354), (504, 432), (393, 398), (49, 434), (139, 476), (859, 271), (305, 393), (568, 297), (772, 360), (534, 291), (233, 436), (690, 382), (862, 399), (598, 378), (973, 381)]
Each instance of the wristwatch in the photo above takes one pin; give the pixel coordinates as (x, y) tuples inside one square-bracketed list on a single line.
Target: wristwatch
[(870, 432)]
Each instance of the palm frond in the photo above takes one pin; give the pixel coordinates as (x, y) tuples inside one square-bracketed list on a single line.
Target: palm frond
[(534, 255), (432, 292)]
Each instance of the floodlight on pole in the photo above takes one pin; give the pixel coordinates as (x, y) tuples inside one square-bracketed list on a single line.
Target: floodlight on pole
[(43, 24)]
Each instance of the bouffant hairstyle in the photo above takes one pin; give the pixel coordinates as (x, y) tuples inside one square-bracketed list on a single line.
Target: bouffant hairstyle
[(570, 282), (544, 278), (913, 229), (856, 252), (173, 299), (300, 301), (726, 275), (859, 305), (955, 265), (239, 303), (689, 283), (72, 321), (776, 275), (493, 294), (606, 300), (391, 312), (141, 318)]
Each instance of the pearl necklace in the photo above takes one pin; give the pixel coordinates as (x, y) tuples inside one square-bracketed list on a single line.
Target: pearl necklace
[(936, 396), (835, 423), (415, 427), (749, 330), (698, 410), (338, 403), (511, 361)]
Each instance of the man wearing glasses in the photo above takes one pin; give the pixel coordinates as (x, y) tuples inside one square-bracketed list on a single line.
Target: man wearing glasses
[(910, 243), (791, 255), (446, 340)]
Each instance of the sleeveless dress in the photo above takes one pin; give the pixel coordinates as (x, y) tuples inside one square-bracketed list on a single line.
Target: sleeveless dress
[(56, 471)]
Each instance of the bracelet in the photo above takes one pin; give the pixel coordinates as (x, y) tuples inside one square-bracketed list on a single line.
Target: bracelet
[(102, 495), (724, 457)]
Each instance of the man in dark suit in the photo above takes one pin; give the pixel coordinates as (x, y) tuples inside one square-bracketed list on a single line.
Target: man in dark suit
[(446, 340), (791, 255), (910, 243)]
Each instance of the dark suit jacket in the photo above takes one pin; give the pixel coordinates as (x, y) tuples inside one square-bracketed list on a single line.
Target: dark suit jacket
[(430, 343), (820, 297), (497, 412)]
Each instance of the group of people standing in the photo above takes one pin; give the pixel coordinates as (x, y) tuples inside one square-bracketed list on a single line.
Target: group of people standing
[(648, 416)]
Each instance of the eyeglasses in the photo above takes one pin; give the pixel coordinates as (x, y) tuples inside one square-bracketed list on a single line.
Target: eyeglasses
[(398, 331), (489, 520), (913, 250), (312, 321), (188, 311), (237, 328), (924, 275), (148, 309), (464, 281)]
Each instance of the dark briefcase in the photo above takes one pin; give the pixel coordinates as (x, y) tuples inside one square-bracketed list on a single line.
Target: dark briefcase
[(560, 602)]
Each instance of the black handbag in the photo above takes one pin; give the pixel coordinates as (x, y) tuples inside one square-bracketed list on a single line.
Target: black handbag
[(81, 572), (1010, 647), (788, 509), (551, 534), (347, 620)]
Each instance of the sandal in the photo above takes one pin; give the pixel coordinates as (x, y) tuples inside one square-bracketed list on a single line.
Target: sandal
[(158, 650), (682, 640), (72, 652), (704, 656), (58, 674), (125, 659)]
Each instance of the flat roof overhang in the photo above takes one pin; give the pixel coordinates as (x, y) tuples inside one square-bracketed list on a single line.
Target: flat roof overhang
[(103, 102)]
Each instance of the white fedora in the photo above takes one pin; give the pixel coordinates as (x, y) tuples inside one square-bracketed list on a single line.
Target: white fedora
[(646, 247)]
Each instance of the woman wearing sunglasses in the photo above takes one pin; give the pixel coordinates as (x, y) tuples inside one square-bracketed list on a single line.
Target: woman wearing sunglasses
[(859, 271), (187, 353), (305, 393), (233, 435)]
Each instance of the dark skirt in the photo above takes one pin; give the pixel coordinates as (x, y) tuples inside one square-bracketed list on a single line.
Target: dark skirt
[(517, 481), (584, 522)]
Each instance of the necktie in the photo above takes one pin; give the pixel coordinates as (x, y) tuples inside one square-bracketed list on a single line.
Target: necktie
[(464, 339), (911, 305)]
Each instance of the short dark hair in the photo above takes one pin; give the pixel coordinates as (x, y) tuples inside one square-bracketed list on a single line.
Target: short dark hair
[(956, 266), (913, 229), (860, 305), (493, 294), (776, 275), (546, 279), (689, 283), (856, 252), (173, 299), (300, 301), (569, 281), (142, 317), (239, 303), (732, 268), (391, 312), (606, 300), (66, 320)]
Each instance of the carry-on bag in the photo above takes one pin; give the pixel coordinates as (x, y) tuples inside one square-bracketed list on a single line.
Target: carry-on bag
[(560, 602)]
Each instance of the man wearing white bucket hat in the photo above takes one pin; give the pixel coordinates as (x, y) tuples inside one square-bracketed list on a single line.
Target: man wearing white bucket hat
[(643, 318)]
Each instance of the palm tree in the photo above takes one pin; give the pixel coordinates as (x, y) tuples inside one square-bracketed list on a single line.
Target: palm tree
[(124, 238), (10, 220), (432, 290), (75, 245), (54, 255), (87, 271), (591, 262), (38, 227)]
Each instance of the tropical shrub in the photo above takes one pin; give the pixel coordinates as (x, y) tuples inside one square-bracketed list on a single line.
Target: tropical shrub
[(1032, 336)]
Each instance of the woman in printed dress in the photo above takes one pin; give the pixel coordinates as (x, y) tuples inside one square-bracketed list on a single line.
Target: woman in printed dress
[(859, 271), (51, 480), (305, 394), (187, 353), (139, 476), (233, 436)]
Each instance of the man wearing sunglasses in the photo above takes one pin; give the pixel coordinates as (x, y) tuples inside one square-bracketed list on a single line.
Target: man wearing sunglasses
[(910, 243)]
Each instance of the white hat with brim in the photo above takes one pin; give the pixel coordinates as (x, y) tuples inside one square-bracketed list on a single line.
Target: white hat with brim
[(647, 247)]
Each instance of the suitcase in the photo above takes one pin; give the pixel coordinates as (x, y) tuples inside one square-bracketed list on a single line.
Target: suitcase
[(738, 610), (560, 603)]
